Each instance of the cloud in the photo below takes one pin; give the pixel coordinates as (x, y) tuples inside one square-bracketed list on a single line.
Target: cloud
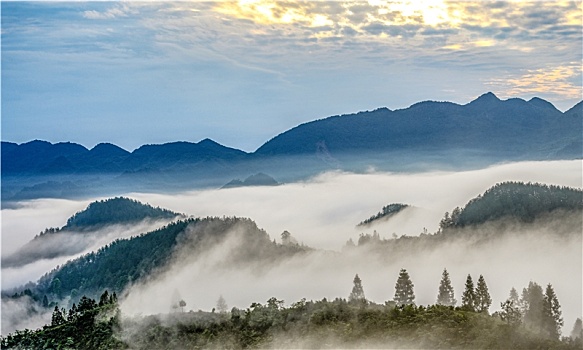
[(563, 81), (111, 13), (125, 65)]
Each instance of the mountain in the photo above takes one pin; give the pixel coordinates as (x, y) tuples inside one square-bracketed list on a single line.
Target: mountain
[(426, 135), (515, 200), (42, 158), (506, 129), (82, 229), (119, 210), (124, 261), (259, 179)]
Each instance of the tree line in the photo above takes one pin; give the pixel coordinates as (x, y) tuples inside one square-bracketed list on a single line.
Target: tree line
[(529, 321)]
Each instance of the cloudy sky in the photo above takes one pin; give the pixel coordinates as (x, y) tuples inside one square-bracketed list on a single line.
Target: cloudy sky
[(242, 72)]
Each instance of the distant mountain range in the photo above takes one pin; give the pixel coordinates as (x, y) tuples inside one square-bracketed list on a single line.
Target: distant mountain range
[(440, 134)]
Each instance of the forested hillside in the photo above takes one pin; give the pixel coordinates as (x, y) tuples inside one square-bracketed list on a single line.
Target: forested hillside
[(118, 210), (514, 200), (84, 228), (124, 261)]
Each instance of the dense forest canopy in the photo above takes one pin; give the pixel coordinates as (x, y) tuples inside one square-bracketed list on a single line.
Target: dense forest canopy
[(116, 210), (124, 261), (521, 201)]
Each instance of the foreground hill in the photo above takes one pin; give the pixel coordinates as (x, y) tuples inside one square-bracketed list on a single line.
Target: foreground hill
[(125, 261), (84, 228), (303, 325)]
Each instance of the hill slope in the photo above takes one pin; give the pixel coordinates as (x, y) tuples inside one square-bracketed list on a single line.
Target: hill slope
[(124, 261), (509, 129), (83, 229)]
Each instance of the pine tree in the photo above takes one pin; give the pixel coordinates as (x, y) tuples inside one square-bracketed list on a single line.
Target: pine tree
[(552, 320), (577, 331), (446, 295), (357, 294), (483, 300), (532, 306), (404, 289), (469, 296), (513, 296), (57, 318), (222, 305)]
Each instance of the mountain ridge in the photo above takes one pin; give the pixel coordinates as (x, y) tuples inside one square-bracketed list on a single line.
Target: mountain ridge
[(482, 132)]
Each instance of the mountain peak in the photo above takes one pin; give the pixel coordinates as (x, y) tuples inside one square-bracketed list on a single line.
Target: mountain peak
[(539, 102), (487, 97)]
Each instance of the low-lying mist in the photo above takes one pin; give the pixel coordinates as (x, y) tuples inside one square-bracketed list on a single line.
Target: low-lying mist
[(76, 243), (523, 253), (323, 213)]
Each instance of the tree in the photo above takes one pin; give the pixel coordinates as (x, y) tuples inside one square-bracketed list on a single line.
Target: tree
[(577, 331), (182, 304), (483, 300), (357, 294), (532, 306), (45, 301), (469, 296), (404, 289), (552, 320), (510, 312), (104, 299), (514, 296), (57, 318), (222, 305), (446, 295)]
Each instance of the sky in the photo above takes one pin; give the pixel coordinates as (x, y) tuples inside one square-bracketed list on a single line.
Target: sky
[(241, 72)]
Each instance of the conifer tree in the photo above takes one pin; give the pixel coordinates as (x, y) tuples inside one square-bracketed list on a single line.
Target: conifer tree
[(357, 293), (404, 289), (577, 331), (513, 296), (552, 320), (57, 318), (532, 306), (222, 305), (482, 297), (446, 295), (469, 296)]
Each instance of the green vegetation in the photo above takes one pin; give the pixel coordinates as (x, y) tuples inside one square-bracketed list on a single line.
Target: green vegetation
[(307, 324), (116, 210), (124, 261), (89, 325), (386, 212), (446, 294), (517, 200)]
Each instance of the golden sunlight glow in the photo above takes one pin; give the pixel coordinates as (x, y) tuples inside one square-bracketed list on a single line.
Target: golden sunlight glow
[(428, 12), (557, 80), (274, 12)]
